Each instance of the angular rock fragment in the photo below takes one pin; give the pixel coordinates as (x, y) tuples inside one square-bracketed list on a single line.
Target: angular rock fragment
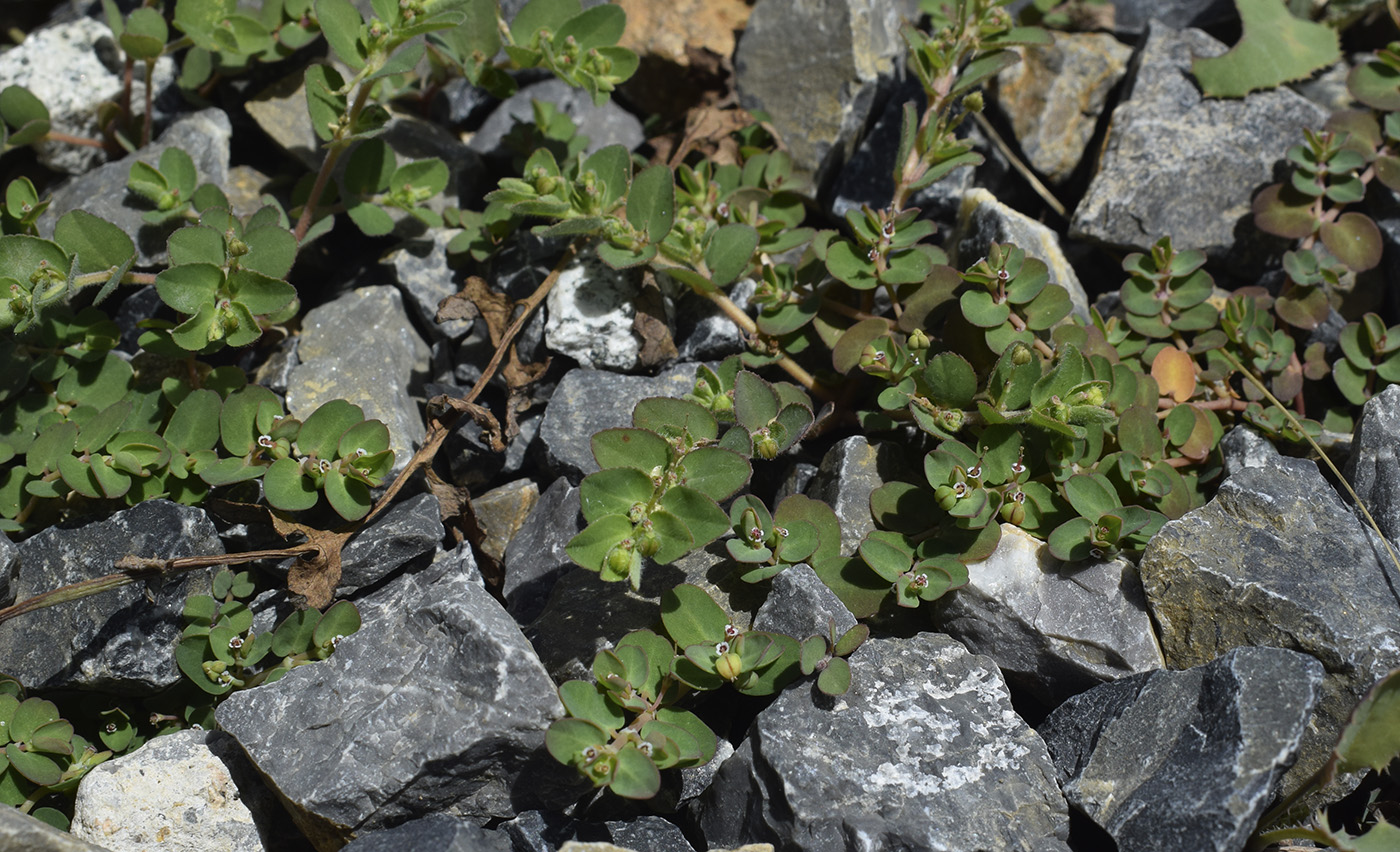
[(437, 704), (924, 752), (1185, 759)]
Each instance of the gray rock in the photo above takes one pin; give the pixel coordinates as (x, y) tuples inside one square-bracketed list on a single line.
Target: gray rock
[(591, 309), (436, 705), (1053, 97), (822, 96), (984, 220), (22, 831), (407, 530), (1277, 560), (589, 401), (73, 67), (190, 791), (604, 125), (1176, 163), (280, 111), (118, 641), (535, 557), (362, 348), (1373, 469), (437, 832), (1054, 629), (1184, 760), (1243, 447), (849, 472), (538, 831), (924, 752), (420, 270), (800, 605), (102, 192)]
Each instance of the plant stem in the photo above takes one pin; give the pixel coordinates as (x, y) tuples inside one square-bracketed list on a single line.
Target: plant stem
[(336, 148)]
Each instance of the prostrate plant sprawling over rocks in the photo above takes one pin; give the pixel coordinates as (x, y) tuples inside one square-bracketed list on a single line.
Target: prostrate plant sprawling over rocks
[(917, 473)]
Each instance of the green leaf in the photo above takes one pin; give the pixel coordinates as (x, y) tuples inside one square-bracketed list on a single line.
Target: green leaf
[(674, 418), (704, 520), (323, 103), (590, 548), (951, 380), (191, 287), (341, 620), (715, 472), (566, 740), (369, 168), (145, 34), (321, 432), (1371, 738), (1276, 48), (635, 776), (1354, 239), (651, 202), (614, 491), (599, 26), (97, 243), (25, 114), (348, 496), (589, 701), (730, 251), (341, 23), (851, 266), (755, 401), (692, 617), (633, 448), (287, 488), (293, 635), (542, 14), (835, 679), (37, 768)]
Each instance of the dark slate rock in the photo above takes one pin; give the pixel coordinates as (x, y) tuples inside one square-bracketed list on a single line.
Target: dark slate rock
[(604, 125), (924, 752), (419, 268), (821, 97), (436, 705), (1373, 469), (1276, 559), (849, 472), (460, 103), (539, 831), (535, 557), (589, 401), (703, 332), (1054, 629), (584, 615), (1053, 97), (1184, 760), (799, 604), (102, 192), (362, 348), (432, 833), (1176, 163), (407, 530), (22, 831), (118, 641)]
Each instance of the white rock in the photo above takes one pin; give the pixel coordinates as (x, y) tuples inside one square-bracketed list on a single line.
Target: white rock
[(173, 794), (61, 65), (591, 309)]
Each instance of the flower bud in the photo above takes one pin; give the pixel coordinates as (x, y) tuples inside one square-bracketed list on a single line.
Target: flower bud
[(729, 666), (764, 446)]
